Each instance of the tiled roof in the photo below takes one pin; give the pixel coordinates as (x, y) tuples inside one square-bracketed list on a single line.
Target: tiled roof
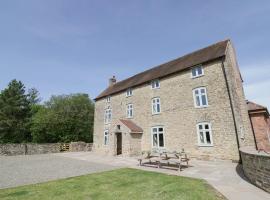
[(134, 128), (204, 55), (254, 107)]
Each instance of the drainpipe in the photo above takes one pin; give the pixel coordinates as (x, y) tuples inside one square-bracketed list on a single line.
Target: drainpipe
[(231, 105)]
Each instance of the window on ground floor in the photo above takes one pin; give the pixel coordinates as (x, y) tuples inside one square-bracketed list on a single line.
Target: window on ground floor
[(158, 137), (204, 134), (106, 137)]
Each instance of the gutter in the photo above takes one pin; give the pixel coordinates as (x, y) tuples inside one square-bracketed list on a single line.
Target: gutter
[(231, 105)]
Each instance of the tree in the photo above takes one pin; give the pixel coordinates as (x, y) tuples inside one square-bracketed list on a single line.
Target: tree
[(15, 114), (64, 118)]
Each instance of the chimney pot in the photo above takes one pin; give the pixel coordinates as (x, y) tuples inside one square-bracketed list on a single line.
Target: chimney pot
[(112, 81)]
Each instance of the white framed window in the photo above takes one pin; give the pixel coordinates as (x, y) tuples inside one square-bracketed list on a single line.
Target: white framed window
[(197, 71), (158, 140), (106, 137), (156, 108), (108, 99), (204, 134), (129, 92), (155, 84), (108, 115), (200, 97), (130, 110)]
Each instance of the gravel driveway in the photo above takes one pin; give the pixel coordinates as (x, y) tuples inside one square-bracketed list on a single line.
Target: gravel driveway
[(23, 170)]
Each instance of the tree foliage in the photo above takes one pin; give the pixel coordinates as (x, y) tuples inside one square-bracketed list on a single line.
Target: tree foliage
[(15, 114), (64, 118)]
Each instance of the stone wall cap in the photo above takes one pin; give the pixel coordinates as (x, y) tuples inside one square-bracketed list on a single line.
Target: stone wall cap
[(252, 151)]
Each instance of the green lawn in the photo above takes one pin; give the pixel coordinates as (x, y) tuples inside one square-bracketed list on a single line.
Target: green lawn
[(121, 184)]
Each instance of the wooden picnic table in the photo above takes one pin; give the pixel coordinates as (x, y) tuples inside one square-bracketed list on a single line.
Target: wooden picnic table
[(166, 157)]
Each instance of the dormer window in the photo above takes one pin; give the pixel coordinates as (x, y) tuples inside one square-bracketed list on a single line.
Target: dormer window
[(129, 92), (155, 84), (108, 99), (197, 71)]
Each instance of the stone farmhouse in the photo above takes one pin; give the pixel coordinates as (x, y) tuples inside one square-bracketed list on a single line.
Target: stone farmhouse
[(195, 102)]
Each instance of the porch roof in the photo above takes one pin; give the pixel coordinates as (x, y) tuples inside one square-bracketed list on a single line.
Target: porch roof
[(134, 128)]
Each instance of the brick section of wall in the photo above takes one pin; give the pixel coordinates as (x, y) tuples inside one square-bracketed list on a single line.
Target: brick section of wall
[(256, 167), (261, 130)]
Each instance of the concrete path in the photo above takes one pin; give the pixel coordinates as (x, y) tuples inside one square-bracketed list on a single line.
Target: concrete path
[(225, 176), (24, 170)]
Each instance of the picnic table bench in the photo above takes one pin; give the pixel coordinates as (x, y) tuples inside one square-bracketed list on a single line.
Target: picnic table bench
[(169, 158)]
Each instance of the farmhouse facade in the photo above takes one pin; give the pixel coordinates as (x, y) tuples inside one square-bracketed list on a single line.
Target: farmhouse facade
[(195, 102)]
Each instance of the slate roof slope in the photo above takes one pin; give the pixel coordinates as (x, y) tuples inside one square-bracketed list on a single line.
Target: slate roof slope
[(134, 128), (204, 55)]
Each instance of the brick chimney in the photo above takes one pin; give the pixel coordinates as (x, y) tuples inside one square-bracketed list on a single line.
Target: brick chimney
[(112, 81)]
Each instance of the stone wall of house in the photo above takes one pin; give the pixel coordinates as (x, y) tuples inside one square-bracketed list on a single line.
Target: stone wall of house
[(240, 109), (32, 148), (256, 167), (178, 115)]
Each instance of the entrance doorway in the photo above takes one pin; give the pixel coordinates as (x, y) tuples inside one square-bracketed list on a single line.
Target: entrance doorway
[(119, 143)]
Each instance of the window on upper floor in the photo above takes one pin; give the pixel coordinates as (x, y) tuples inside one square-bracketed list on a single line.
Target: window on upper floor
[(108, 99), (156, 105), (200, 97), (197, 71), (204, 134), (108, 116), (129, 92), (158, 137), (106, 137), (130, 110), (155, 84)]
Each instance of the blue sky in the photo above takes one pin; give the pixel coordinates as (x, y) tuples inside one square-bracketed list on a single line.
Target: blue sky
[(68, 46)]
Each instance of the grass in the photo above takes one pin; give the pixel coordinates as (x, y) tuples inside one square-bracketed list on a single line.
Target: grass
[(120, 184)]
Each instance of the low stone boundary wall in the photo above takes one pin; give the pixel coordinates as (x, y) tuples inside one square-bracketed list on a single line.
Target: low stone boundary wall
[(256, 167), (80, 146), (33, 148)]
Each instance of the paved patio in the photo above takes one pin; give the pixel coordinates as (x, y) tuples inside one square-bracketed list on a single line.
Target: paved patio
[(225, 176)]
